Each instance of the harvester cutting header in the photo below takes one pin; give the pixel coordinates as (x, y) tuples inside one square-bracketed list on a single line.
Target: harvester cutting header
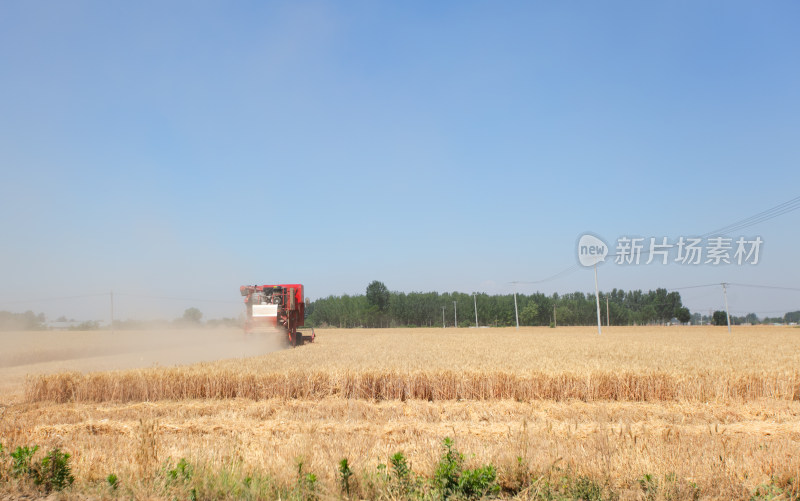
[(272, 308)]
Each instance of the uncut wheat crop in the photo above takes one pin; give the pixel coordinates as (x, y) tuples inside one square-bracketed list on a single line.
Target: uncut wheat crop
[(622, 364)]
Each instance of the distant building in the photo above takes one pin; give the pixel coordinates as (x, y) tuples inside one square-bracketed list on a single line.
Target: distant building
[(62, 325)]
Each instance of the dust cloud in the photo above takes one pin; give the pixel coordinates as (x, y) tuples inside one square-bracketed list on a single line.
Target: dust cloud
[(32, 353)]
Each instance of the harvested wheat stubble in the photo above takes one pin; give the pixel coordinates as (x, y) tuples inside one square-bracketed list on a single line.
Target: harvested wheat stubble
[(617, 441), (187, 383)]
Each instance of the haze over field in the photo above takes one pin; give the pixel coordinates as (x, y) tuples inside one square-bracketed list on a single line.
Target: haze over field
[(25, 355), (172, 152)]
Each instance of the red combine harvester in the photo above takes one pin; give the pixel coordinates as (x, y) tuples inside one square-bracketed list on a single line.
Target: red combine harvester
[(272, 308)]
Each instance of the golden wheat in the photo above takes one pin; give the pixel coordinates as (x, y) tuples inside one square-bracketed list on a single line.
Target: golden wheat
[(716, 411), (726, 449), (493, 364), (182, 384)]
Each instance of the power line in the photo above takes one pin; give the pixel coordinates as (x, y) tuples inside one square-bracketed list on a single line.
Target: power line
[(564, 272), (105, 294), (778, 287), (778, 210), (692, 287), (50, 299), (796, 289), (766, 215), (168, 298)]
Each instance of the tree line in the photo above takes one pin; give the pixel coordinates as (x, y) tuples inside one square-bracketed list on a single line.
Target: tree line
[(30, 321), (27, 321), (379, 307), (720, 318)]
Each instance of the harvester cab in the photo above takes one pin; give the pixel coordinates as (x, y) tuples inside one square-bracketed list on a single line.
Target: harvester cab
[(276, 308)]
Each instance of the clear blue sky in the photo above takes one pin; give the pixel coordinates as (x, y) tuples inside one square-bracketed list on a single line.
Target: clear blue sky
[(182, 149)]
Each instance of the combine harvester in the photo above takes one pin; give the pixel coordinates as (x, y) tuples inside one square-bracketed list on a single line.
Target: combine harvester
[(276, 309)]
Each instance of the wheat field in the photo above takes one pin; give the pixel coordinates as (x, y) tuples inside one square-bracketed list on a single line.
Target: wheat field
[(636, 364), (703, 413)]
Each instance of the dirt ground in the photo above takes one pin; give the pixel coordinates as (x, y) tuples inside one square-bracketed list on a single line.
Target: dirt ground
[(26, 354)]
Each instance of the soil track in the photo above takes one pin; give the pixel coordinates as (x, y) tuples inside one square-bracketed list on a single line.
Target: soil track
[(34, 353)]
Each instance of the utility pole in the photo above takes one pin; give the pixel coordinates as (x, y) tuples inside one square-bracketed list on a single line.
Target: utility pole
[(455, 313), (555, 320), (608, 314), (112, 311), (443, 325), (516, 311), (727, 312), (597, 296), (475, 298)]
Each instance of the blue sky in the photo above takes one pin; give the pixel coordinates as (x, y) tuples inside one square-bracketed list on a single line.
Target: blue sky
[(182, 149)]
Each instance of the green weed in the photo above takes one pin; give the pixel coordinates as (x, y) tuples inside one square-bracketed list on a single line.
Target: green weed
[(54, 472), (452, 480), (21, 461), (344, 476), (183, 471)]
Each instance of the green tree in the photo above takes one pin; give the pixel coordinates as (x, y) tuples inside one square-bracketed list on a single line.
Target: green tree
[(792, 317), (751, 318), (425, 308), (720, 318), (192, 315), (683, 315), (529, 313), (28, 321), (378, 296)]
